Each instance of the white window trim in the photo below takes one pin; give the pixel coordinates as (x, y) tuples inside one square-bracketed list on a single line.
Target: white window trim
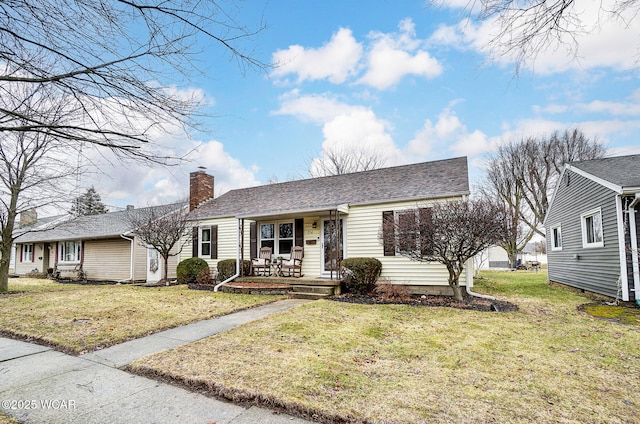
[(201, 242), (77, 252), (276, 236), (553, 239), (583, 224), (27, 252)]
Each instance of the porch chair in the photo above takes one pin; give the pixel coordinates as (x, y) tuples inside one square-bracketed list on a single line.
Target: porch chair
[(262, 264), (293, 266)]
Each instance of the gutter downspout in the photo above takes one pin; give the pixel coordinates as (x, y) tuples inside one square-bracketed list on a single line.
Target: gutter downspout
[(469, 281), (130, 261), (634, 243), (234, 276)]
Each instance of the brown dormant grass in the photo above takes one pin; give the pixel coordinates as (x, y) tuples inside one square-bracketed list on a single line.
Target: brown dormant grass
[(78, 318), (546, 363)]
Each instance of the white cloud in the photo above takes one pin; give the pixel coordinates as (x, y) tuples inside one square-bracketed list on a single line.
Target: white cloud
[(336, 60), (448, 133), (395, 55), (603, 39), (315, 108)]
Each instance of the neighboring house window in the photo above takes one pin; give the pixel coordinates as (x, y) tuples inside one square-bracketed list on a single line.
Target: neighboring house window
[(592, 228), (279, 236), (69, 251), (205, 242), (27, 253), (556, 238)]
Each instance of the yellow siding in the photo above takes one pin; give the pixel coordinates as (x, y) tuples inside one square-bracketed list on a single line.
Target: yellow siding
[(107, 259), (362, 224), (363, 228), (312, 261)]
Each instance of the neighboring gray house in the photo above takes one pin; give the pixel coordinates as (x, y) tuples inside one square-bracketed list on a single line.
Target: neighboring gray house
[(103, 247), (593, 227)]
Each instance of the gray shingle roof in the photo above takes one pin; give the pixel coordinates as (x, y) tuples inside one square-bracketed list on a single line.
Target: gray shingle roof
[(425, 180), (112, 224), (623, 171)]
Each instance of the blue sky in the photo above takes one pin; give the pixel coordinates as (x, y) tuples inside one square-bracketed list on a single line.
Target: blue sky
[(409, 81)]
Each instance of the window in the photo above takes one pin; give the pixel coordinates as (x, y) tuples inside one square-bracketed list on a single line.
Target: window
[(592, 229), (27, 253), (278, 236), (69, 251), (205, 242), (556, 238), (407, 231)]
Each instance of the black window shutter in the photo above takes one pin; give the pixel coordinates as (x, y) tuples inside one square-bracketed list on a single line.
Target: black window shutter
[(214, 242), (388, 233), (253, 240), (299, 233), (426, 233), (194, 242)]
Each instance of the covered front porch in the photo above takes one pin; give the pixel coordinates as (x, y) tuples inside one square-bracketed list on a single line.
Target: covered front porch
[(320, 234)]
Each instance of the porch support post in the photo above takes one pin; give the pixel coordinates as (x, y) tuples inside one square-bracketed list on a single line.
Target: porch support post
[(331, 227)]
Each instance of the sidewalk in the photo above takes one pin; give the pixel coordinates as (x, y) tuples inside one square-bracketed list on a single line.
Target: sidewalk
[(41, 385)]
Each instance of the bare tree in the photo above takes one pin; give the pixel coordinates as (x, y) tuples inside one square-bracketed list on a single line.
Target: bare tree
[(503, 183), (344, 160), (528, 27), (522, 174), (162, 227), (450, 233), (35, 165), (116, 63)]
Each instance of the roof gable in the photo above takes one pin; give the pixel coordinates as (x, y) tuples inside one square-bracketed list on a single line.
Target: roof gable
[(424, 180)]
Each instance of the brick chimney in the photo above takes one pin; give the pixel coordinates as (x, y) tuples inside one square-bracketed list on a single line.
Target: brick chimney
[(28, 217), (200, 188)]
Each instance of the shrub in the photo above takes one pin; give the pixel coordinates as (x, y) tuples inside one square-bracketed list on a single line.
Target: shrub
[(189, 269), (204, 277), (227, 268), (392, 292), (363, 274)]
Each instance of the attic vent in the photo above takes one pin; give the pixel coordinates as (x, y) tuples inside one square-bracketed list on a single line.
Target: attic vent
[(567, 179)]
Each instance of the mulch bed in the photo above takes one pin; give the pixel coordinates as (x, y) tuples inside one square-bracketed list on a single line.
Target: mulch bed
[(470, 302)]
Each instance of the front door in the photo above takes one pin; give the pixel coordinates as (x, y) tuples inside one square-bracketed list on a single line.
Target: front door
[(154, 269), (332, 247)]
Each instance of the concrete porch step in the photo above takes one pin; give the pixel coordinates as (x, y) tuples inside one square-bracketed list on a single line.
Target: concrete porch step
[(310, 296), (328, 290)]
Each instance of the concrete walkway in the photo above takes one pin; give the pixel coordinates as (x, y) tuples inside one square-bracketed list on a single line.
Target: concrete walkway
[(41, 385)]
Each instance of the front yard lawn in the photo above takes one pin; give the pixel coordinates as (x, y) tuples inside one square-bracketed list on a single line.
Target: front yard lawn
[(546, 363), (77, 318)]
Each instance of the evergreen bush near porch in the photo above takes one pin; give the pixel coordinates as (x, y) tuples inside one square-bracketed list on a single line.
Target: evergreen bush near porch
[(227, 268), (188, 270), (364, 274)]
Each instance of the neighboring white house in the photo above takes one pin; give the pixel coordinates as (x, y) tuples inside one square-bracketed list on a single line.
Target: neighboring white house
[(496, 258), (101, 247), (332, 218)]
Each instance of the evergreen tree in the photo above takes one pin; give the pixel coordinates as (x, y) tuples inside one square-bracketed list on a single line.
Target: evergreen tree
[(89, 203)]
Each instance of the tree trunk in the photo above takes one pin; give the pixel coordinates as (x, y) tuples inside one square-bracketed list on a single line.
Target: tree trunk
[(457, 292), (4, 270), (454, 278), (165, 269)]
